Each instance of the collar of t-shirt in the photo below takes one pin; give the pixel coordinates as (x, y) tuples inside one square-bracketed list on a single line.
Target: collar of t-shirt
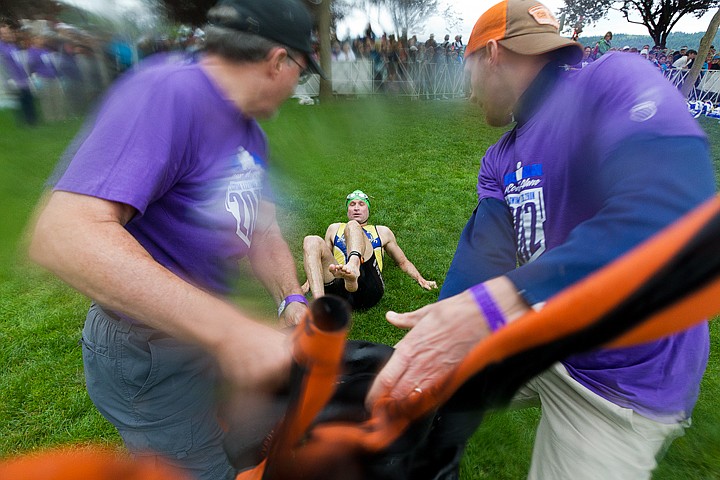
[(537, 92)]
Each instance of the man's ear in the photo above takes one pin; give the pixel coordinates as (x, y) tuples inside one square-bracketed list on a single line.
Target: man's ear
[(276, 61), (492, 52)]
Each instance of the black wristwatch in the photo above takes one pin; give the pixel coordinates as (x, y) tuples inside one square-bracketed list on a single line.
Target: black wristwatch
[(290, 299)]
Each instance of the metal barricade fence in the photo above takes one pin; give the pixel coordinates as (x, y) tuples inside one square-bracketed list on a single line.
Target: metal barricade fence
[(427, 80), (418, 80), (706, 88)]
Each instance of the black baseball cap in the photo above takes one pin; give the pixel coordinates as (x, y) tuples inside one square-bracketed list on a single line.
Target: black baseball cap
[(287, 22)]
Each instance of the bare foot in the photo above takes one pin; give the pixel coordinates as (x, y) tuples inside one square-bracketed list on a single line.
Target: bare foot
[(348, 272)]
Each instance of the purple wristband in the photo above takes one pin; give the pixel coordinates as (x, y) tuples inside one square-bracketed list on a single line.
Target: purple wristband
[(488, 307), (290, 299)]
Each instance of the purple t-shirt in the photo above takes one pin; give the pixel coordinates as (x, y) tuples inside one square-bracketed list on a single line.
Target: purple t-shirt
[(11, 60), (546, 169), (40, 62), (166, 142)]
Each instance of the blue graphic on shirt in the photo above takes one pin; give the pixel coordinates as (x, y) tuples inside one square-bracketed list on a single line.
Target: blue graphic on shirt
[(524, 195)]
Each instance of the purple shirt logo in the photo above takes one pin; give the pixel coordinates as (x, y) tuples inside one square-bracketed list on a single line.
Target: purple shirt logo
[(524, 195), (242, 198)]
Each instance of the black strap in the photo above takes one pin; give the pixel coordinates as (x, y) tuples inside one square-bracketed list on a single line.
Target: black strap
[(355, 252)]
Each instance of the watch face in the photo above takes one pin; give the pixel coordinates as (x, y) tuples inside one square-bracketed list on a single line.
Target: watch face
[(281, 307)]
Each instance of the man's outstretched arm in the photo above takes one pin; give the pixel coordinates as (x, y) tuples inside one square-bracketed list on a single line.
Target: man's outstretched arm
[(393, 249), (82, 239), (273, 263)]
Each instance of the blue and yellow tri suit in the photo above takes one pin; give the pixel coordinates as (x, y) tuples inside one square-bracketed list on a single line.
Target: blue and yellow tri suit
[(340, 246), (370, 283)]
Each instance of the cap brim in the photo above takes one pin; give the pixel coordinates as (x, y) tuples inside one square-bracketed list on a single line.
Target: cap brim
[(540, 43), (314, 66)]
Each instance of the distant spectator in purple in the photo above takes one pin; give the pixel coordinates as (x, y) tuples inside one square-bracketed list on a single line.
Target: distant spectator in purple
[(15, 76), (41, 64), (586, 58)]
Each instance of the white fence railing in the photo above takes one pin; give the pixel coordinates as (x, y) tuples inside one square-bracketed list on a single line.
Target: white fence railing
[(438, 80), (420, 80), (706, 88)]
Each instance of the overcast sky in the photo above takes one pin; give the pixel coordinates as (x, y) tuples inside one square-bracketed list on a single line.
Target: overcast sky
[(468, 10)]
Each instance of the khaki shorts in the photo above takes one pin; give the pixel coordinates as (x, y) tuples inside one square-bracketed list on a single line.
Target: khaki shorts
[(583, 436)]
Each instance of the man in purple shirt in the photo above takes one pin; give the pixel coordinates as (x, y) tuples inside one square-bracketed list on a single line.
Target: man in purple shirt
[(163, 196), (45, 76), (16, 76), (573, 186)]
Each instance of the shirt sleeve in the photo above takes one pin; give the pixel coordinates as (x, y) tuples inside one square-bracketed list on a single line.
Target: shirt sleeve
[(649, 184), (489, 180), (134, 150), (486, 248)]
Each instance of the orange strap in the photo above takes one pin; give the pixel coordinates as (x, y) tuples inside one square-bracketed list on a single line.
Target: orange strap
[(319, 353), (571, 312), (77, 463)]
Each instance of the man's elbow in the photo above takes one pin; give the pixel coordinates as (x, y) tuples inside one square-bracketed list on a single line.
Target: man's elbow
[(405, 265), (40, 243)]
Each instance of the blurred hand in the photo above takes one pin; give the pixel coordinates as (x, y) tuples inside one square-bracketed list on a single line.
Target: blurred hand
[(442, 334), (427, 284), (293, 314), (255, 357)]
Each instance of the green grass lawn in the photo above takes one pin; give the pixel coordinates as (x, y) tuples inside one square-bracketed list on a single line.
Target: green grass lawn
[(419, 162)]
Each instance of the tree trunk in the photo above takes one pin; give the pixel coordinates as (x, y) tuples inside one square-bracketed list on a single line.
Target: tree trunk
[(657, 37), (702, 53), (324, 14)]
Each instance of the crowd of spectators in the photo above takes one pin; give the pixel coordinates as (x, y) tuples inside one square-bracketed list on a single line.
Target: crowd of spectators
[(664, 59), (54, 71), (60, 69), (398, 60), (674, 64), (402, 50)]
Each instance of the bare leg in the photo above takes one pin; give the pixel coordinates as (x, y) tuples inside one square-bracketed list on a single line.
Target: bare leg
[(317, 259), (356, 241)]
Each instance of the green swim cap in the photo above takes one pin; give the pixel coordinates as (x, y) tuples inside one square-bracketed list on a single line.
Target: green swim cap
[(357, 195)]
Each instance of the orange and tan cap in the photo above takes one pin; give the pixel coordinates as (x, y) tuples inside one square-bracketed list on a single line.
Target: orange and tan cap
[(526, 27)]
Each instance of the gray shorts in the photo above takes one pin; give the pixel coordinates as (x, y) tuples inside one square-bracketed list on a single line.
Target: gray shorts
[(157, 391)]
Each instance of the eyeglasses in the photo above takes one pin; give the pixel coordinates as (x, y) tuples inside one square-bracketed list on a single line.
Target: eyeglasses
[(304, 72)]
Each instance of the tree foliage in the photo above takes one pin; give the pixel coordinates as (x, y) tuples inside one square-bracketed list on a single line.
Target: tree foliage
[(339, 9), (658, 16), (675, 40), (193, 12), (409, 15), (14, 10), (189, 12)]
